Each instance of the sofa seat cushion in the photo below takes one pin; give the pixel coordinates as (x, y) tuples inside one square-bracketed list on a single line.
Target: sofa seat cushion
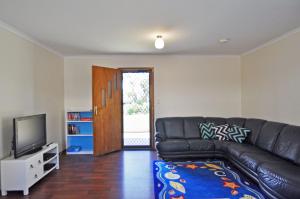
[(201, 145), (283, 178), (236, 149), (222, 146), (253, 160), (173, 145)]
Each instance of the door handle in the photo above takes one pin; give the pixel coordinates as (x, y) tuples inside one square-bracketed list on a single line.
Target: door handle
[(95, 110)]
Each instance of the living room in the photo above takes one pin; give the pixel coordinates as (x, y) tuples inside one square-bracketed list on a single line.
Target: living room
[(224, 62)]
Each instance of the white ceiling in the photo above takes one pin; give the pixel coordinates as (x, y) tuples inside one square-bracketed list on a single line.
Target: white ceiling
[(90, 27)]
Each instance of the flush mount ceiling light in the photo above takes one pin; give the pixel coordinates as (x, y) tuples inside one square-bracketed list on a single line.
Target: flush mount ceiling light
[(159, 42), (224, 40)]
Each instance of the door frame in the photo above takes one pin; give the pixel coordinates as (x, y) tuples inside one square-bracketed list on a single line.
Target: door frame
[(150, 70)]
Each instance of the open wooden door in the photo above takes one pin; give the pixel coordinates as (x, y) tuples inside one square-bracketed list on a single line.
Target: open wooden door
[(106, 110)]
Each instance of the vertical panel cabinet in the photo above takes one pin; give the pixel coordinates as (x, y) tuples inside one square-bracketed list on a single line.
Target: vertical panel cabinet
[(79, 132), (22, 173)]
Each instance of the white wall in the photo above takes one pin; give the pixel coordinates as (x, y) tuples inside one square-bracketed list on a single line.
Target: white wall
[(185, 85), (31, 81), (49, 94), (271, 81)]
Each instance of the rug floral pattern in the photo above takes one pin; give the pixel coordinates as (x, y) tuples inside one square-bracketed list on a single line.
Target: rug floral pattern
[(201, 180)]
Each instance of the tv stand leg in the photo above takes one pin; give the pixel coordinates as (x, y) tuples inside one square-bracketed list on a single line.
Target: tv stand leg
[(25, 192), (3, 192)]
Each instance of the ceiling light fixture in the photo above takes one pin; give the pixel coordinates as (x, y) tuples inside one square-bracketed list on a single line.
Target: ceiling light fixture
[(224, 40), (159, 42)]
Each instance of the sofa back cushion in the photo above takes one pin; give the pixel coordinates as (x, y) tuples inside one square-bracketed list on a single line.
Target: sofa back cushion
[(216, 120), (191, 127), (236, 121), (255, 126), (268, 135), (174, 128), (288, 144)]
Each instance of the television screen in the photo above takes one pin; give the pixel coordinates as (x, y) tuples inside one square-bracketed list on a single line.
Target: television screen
[(29, 134)]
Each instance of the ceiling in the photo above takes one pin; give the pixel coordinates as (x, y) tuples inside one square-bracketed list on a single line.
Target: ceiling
[(92, 27)]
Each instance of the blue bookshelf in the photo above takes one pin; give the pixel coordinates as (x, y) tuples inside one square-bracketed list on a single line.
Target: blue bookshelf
[(79, 132)]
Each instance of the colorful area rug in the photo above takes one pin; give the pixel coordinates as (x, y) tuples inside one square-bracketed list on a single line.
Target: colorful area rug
[(201, 180)]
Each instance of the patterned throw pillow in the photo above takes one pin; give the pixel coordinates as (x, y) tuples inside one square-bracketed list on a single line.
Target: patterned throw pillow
[(238, 134), (207, 130), (222, 132)]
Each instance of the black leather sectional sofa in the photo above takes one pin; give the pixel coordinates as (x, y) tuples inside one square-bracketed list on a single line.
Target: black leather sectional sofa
[(270, 155)]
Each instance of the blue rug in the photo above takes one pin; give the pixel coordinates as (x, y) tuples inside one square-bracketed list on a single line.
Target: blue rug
[(201, 180)]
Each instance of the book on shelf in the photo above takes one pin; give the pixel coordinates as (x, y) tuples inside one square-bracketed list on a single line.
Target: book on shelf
[(74, 116), (73, 129), (87, 119)]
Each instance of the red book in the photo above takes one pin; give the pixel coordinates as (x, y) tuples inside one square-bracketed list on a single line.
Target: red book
[(86, 119)]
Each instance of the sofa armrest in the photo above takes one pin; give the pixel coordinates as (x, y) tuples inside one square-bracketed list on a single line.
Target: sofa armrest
[(159, 137)]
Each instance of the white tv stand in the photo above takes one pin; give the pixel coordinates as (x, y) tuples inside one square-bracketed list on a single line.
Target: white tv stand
[(22, 173)]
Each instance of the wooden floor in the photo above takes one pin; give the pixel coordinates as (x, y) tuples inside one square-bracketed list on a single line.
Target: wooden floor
[(120, 175)]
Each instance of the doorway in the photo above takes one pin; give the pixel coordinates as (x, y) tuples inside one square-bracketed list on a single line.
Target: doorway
[(137, 108)]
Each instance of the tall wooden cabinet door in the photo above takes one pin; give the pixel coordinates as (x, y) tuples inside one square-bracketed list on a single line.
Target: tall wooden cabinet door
[(106, 109)]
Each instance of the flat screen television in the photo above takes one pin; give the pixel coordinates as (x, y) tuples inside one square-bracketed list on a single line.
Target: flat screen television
[(29, 134)]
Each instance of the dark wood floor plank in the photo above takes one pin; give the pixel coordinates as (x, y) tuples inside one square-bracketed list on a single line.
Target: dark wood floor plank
[(119, 175)]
